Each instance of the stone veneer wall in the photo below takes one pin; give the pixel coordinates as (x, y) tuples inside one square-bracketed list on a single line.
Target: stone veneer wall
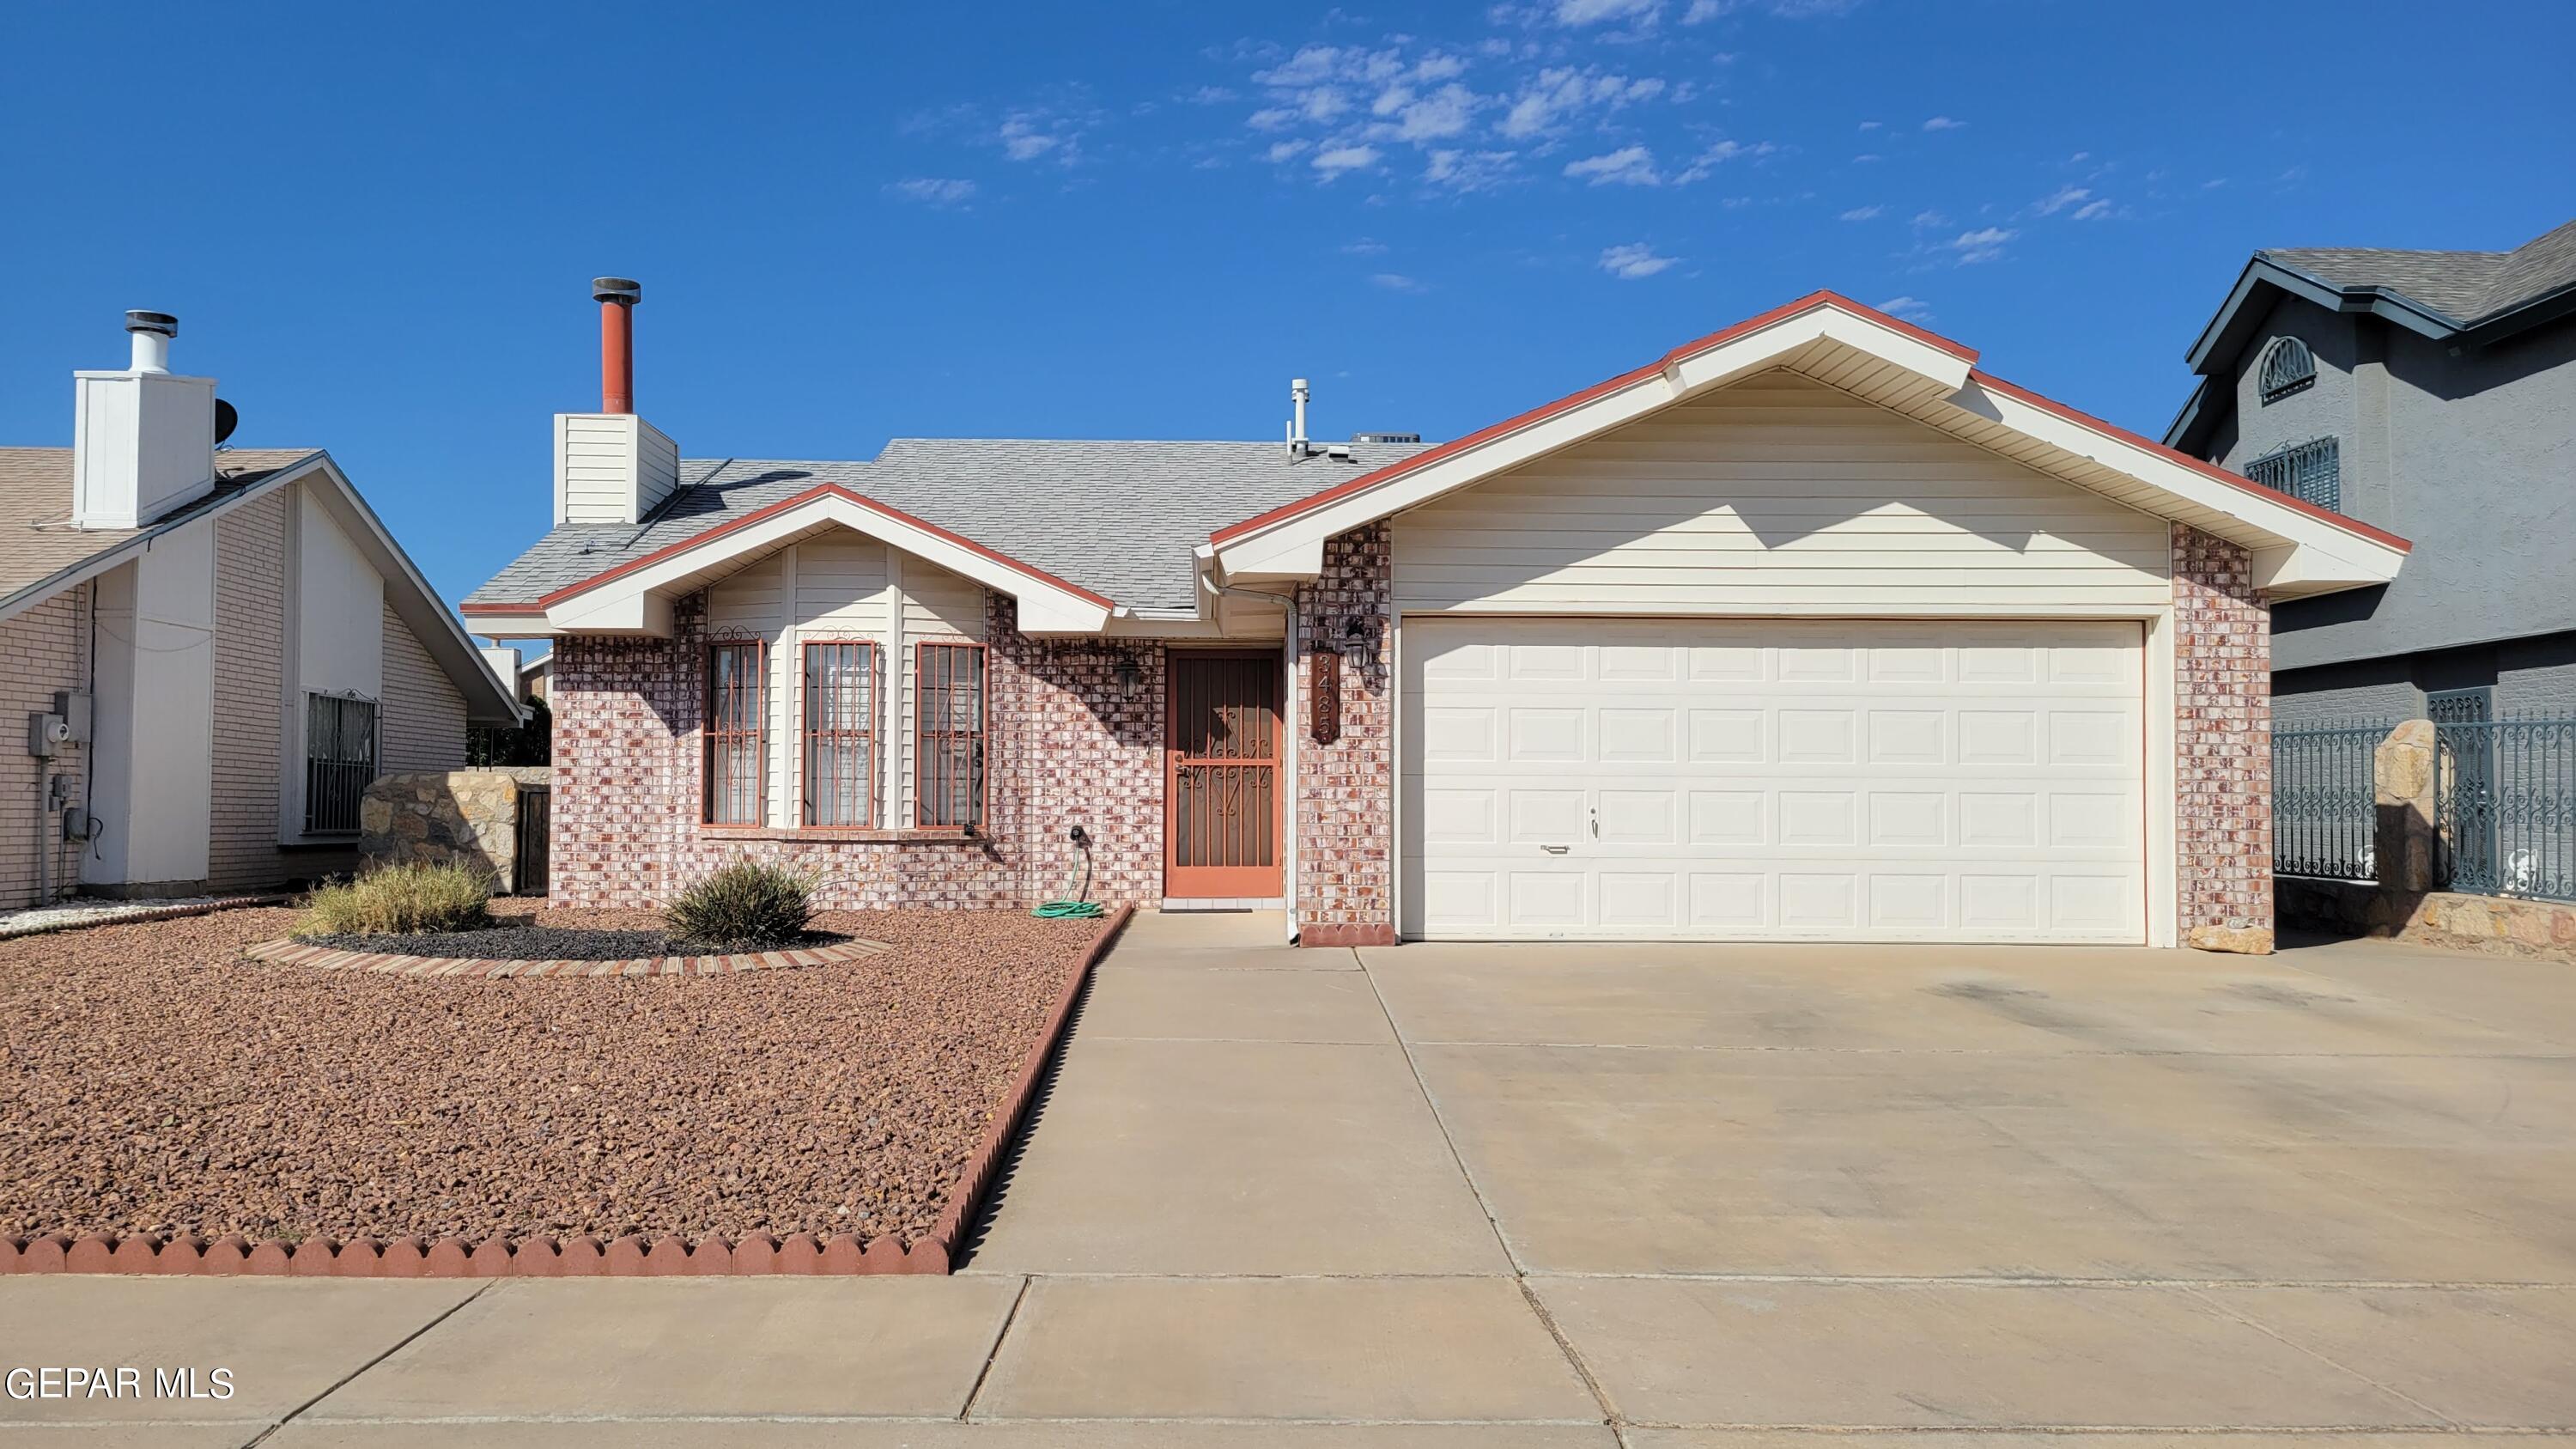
[(1344, 812), (437, 816), (2222, 746), (1064, 747)]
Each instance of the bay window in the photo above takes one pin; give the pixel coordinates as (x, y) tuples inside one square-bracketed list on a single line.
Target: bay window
[(737, 763), (840, 762)]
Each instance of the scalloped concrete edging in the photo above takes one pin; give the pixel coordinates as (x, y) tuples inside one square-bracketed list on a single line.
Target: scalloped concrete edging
[(631, 1256), (328, 958)]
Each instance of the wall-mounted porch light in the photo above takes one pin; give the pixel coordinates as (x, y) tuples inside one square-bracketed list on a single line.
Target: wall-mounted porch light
[(1127, 678)]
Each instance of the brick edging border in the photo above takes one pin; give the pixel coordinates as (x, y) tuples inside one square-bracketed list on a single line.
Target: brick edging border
[(631, 1256), (154, 913), (330, 958)]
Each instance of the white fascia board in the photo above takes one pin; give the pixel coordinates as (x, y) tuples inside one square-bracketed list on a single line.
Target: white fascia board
[(1043, 607), (1293, 548), (2314, 555), (512, 626)]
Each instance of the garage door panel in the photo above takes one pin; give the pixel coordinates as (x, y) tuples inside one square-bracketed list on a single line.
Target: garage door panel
[(1822, 779)]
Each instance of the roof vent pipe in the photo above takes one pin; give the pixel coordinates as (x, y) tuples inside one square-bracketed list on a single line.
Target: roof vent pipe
[(617, 297), (1297, 447), (152, 333)]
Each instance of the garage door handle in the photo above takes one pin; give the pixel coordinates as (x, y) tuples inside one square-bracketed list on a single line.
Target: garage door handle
[(1556, 849)]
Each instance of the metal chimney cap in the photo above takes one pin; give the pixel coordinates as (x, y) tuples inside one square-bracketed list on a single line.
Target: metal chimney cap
[(616, 289), (161, 322)]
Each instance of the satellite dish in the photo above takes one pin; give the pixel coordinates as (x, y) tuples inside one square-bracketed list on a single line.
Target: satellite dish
[(227, 418)]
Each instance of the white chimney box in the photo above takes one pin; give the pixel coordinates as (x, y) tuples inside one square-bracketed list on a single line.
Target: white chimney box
[(143, 440), (611, 467)]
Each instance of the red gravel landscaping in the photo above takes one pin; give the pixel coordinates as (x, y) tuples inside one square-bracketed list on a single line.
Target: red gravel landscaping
[(159, 1084)]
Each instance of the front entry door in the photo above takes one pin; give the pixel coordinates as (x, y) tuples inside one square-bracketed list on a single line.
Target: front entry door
[(1221, 783)]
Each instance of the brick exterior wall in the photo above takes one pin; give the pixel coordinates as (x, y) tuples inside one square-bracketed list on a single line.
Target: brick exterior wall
[(1064, 747), (42, 650), (250, 657), (424, 711), (1344, 811), (2222, 746)]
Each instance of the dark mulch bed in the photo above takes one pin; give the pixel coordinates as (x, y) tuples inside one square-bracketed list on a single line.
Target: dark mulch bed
[(158, 1082), (514, 940)]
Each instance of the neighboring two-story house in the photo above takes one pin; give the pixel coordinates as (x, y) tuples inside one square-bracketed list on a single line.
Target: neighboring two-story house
[(212, 651), (2432, 394)]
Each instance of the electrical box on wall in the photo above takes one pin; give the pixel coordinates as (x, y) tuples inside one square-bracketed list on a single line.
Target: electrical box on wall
[(74, 706), (46, 735)]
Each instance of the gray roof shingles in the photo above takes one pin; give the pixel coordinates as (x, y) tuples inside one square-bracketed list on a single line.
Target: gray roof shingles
[(1118, 518), (2465, 286)]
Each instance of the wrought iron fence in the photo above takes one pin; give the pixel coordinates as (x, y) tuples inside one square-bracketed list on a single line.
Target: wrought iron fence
[(2323, 799), (2504, 806)]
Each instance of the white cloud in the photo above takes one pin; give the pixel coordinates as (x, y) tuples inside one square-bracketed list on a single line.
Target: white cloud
[(1703, 11), (1871, 125), (1023, 141), (1985, 244), (1272, 118), (1930, 218), (1944, 123), (1593, 12), (1864, 213), (2062, 198), (1866, 157), (2094, 210), (1912, 309), (1558, 94), (1397, 282), (1445, 112), (1718, 155), (934, 190), (1627, 166), (1634, 260), (1284, 150), (1463, 170), (1367, 246), (1332, 161), (1209, 96)]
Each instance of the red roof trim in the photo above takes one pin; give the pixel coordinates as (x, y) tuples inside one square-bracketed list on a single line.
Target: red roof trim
[(1804, 304), (1540, 414), (2233, 480), (759, 515)]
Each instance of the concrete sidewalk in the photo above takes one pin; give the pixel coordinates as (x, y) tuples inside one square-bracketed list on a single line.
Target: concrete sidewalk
[(1543, 1196)]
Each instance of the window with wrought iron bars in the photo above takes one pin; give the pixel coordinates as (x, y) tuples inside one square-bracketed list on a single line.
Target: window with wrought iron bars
[(2288, 366), (736, 784), (2311, 472), (948, 735), (339, 760), (840, 734)]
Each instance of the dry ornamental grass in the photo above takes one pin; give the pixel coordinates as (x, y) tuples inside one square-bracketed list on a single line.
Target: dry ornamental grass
[(159, 1084)]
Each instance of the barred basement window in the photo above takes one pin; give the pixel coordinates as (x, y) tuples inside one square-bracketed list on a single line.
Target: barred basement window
[(840, 734), (2310, 472), (737, 765), (2288, 366), (339, 760), (948, 735)]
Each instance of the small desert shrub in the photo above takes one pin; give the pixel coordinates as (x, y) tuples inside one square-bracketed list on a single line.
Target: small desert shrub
[(400, 900), (747, 906)]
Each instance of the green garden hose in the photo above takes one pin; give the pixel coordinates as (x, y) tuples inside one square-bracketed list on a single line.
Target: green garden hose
[(1069, 910)]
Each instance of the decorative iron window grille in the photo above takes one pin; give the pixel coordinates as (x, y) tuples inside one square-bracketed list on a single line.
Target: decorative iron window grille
[(948, 735), (339, 760), (2288, 367), (840, 734), (2504, 799), (2324, 802), (737, 707), (2311, 472)]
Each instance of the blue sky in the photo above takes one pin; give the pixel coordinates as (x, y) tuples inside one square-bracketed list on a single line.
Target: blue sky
[(377, 223)]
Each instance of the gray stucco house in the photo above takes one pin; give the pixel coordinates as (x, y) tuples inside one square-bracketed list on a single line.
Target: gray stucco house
[(2432, 394)]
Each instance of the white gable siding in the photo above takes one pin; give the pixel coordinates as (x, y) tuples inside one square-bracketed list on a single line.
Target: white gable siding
[(1777, 495)]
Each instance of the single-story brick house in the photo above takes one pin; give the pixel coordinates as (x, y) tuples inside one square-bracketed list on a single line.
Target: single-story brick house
[(1808, 629), (211, 651)]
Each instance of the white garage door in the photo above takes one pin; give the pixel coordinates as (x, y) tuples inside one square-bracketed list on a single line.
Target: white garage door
[(1842, 780)]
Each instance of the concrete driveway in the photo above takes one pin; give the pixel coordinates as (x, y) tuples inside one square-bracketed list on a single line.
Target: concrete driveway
[(1439, 1197)]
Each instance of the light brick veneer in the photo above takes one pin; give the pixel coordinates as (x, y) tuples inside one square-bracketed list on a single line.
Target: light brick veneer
[(1344, 812), (2222, 746), (42, 650), (1065, 746)]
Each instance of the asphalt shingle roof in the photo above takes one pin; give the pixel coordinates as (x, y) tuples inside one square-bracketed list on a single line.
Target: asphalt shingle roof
[(37, 540), (2466, 286), (1118, 518)]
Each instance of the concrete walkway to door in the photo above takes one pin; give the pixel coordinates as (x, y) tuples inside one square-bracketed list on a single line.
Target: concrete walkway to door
[(1438, 1197)]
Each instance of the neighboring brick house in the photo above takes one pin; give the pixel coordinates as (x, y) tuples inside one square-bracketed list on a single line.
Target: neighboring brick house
[(205, 650), (1809, 629), (2433, 393)]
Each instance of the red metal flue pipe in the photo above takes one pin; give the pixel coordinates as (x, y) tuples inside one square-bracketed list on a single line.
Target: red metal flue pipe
[(617, 297)]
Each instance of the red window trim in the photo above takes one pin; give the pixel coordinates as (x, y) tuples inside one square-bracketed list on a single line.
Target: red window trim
[(758, 733), (921, 733), (806, 734)]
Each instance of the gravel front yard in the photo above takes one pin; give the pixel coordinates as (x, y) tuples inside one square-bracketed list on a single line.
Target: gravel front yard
[(158, 1083)]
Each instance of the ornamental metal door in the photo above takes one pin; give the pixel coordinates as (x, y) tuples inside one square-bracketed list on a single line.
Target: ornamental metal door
[(1221, 791)]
